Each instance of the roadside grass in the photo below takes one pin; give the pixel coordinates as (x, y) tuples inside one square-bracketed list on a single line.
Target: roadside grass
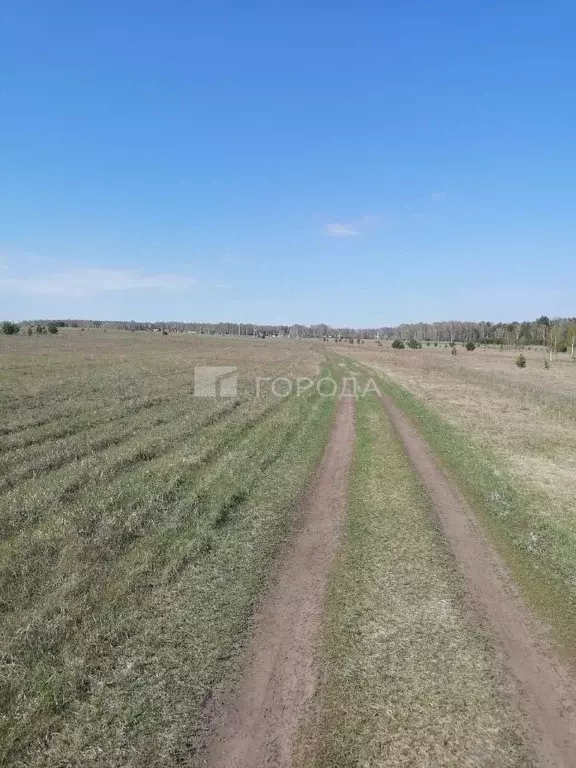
[(539, 547), (128, 574), (406, 678)]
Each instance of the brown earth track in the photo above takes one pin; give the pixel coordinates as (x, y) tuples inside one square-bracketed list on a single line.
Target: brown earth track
[(258, 724), (541, 690)]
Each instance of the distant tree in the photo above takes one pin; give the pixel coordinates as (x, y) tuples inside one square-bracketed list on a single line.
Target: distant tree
[(29, 331), (521, 361), (414, 344), (52, 328), (571, 337), (397, 344), (39, 328), (470, 346), (10, 329)]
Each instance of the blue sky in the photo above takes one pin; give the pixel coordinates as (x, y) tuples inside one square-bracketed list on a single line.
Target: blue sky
[(358, 164)]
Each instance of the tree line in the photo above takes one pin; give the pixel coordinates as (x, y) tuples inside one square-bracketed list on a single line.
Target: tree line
[(557, 333)]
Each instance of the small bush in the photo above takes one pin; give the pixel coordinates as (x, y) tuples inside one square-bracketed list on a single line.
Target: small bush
[(10, 329), (521, 361), (397, 344), (470, 346), (454, 350), (435, 343), (29, 331), (52, 328), (546, 364), (413, 344)]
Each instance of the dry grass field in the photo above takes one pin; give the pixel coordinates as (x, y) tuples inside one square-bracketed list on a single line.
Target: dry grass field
[(509, 436)]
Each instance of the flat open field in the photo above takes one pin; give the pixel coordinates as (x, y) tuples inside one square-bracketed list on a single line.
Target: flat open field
[(308, 580)]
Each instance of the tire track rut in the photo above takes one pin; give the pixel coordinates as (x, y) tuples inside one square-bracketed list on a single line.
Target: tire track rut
[(258, 723), (541, 690)]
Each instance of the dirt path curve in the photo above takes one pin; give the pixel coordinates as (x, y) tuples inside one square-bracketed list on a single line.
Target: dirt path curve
[(541, 690), (258, 725)]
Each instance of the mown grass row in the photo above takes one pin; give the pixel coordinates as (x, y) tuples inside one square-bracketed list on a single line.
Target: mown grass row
[(126, 603), (539, 548), (406, 678)]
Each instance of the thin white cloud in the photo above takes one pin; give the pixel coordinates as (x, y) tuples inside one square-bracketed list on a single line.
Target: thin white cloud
[(355, 227), (88, 282), (337, 229), (437, 195)]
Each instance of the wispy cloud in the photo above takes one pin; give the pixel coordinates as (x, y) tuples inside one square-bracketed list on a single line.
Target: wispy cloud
[(354, 228), (338, 229), (437, 195), (88, 282)]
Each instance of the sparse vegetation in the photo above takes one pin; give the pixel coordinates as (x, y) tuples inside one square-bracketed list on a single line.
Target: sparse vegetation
[(397, 344), (470, 346), (521, 361)]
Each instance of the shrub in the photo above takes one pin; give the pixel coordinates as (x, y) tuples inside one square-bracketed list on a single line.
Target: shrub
[(397, 344), (413, 344), (546, 364), (470, 346), (454, 350), (10, 329), (39, 328), (52, 328), (435, 343), (29, 331), (521, 361)]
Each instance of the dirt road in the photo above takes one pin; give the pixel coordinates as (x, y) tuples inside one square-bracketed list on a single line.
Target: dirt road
[(540, 689), (258, 725)]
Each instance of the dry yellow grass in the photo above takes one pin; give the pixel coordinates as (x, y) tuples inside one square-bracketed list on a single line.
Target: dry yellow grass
[(526, 417)]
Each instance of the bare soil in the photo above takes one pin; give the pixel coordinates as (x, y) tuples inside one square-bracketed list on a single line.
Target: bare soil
[(541, 690), (258, 723)]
